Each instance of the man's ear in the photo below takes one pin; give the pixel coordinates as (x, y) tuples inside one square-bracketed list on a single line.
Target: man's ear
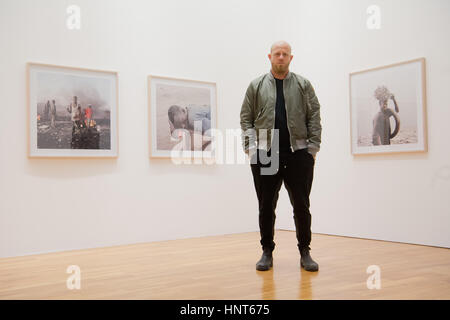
[(270, 56)]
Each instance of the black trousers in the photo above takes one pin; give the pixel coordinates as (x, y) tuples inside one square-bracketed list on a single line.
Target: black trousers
[(296, 171)]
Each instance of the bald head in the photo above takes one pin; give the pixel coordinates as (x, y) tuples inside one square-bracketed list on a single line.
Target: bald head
[(281, 44), (280, 57)]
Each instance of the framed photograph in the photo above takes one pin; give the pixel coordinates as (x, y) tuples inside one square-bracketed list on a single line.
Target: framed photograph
[(182, 117), (72, 112), (388, 109)]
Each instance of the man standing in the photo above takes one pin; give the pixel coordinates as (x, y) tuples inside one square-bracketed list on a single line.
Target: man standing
[(75, 115), (88, 113), (53, 114), (47, 110), (75, 110), (286, 102)]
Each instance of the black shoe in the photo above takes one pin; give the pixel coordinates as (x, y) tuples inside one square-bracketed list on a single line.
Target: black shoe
[(266, 261), (307, 262)]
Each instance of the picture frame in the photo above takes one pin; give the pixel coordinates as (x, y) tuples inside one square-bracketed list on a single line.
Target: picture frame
[(182, 118), (72, 112), (388, 109)]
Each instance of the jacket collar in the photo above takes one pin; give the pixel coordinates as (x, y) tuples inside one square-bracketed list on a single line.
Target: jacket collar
[(271, 77)]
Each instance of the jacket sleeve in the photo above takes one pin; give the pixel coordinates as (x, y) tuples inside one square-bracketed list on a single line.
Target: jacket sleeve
[(313, 120), (248, 133)]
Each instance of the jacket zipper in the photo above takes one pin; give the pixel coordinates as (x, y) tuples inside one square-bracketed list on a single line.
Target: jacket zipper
[(274, 115), (287, 118)]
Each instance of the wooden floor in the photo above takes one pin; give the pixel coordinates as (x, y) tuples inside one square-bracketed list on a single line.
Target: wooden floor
[(223, 267)]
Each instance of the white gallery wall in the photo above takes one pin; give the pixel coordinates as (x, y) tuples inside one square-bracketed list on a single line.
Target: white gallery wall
[(398, 197), (51, 205)]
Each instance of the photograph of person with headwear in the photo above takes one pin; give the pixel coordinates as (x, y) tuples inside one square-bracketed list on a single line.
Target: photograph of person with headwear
[(387, 107)]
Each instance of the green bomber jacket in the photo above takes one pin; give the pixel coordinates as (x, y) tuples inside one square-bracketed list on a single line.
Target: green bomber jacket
[(302, 113)]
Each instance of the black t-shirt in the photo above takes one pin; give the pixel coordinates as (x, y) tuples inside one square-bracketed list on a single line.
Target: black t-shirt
[(280, 118)]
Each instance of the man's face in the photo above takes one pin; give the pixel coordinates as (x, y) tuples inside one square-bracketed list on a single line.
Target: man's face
[(280, 58), (383, 104)]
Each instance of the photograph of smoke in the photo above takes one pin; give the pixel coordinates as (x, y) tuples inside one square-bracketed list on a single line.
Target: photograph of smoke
[(72, 112)]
